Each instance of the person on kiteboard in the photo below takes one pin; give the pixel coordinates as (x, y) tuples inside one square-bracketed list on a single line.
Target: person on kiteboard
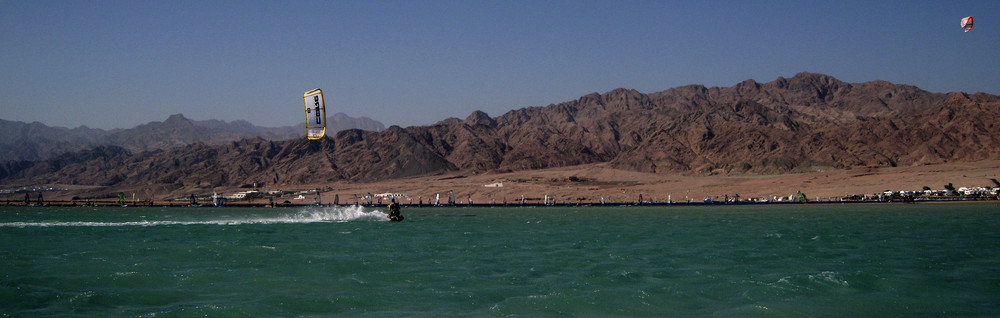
[(394, 211)]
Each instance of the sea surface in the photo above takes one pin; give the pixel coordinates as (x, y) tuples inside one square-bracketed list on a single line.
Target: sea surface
[(811, 260)]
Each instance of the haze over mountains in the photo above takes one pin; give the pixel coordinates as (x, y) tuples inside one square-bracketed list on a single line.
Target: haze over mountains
[(36, 141), (805, 123)]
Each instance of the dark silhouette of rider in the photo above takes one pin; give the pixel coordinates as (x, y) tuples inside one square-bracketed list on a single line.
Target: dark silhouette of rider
[(394, 210)]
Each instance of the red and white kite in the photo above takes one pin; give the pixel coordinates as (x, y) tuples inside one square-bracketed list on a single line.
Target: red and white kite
[(967, 23)]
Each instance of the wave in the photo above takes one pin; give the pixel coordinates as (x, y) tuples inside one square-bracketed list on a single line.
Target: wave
[(307, 215)]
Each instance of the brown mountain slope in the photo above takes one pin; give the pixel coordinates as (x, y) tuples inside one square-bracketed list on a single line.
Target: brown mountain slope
[(810, 122)]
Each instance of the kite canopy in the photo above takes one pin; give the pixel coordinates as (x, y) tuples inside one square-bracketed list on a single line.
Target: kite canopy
[(967, 23), (315, 114)]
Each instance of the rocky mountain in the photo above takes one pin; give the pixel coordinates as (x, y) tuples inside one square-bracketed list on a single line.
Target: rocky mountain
[(335, 123), (36, 141), (804, 123)]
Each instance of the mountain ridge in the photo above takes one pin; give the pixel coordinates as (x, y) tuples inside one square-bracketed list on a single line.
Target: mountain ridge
[(810, 122), (36, 141)]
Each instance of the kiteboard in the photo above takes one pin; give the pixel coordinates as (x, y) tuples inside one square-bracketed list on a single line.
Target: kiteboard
[(396, 218)]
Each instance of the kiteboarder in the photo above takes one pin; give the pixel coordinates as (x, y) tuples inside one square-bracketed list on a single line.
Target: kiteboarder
[(394, 211)]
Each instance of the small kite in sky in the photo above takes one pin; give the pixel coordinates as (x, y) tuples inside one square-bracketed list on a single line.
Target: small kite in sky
[(967, 23)]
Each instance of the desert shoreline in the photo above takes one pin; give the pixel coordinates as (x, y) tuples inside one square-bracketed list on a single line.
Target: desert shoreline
[(265, 204), (576, 185)]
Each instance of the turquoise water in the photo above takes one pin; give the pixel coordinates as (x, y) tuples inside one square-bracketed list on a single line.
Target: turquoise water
[(706, 261)]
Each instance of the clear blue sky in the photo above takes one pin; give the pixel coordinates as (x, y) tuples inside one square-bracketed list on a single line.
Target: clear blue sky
[(117, 64)]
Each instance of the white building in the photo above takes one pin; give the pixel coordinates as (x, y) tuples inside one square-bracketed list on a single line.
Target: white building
[(241, 195)]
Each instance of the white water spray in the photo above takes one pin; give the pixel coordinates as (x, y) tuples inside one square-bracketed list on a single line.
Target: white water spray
[(335, 214)]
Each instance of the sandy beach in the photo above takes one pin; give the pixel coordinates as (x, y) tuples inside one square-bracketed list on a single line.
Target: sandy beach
[(585, 184), (591, 183)]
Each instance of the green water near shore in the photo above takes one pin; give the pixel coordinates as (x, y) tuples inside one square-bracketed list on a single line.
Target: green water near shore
[(721, 261)]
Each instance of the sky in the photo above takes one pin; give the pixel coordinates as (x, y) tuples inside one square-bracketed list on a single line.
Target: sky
[(118, 64)]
